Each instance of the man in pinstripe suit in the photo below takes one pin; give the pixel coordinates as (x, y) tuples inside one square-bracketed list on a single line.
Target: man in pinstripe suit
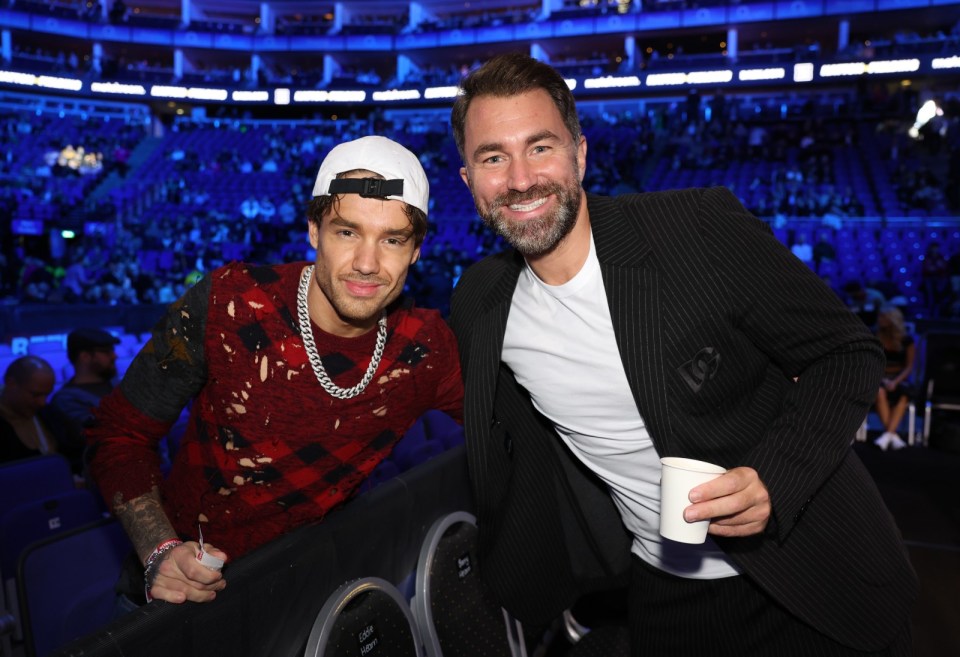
[(619, 330)]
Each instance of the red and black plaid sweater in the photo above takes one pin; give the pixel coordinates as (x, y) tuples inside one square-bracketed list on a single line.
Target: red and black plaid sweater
[(266, 449)]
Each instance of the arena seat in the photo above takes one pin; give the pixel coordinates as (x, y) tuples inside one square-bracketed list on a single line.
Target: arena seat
[(367, 615), (384, 471), (454, 612), (442, 427), (32, 479), (415, 447), (941, 390), (33, 521), (66, 584)]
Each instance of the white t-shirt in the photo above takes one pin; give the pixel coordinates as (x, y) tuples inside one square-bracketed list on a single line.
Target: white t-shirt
[(560, 344)]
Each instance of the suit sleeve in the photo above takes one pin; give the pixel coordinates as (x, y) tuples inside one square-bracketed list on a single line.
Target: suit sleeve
[(801, 325)]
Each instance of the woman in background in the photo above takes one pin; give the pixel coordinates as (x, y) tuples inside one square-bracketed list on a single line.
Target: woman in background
[(893, 397)]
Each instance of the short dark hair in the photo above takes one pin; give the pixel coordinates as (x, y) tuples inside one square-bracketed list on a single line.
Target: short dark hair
[(21, 370), (512, 74), (319, 206)]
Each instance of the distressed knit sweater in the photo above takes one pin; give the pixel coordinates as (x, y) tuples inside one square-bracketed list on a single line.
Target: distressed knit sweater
[(266, 448)]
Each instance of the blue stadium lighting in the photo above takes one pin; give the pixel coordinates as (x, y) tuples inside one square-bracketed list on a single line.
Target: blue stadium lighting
[(118, 88), (694, 77), (311, 96), (13, 77), (666, 79), (878, 67), (396, 94), (709, 77), (250, 96), (843, 69), (803, 72), (893, 66), (940, 63), (927, 112), (66, 84), (431, 93), (611, 82), (755, 74), (44, 81), (191, 93)]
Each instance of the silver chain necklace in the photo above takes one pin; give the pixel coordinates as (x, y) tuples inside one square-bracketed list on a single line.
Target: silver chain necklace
[(306, 333)]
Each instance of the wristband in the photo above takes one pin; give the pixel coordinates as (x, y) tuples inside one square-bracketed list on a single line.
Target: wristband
[(153, 563)]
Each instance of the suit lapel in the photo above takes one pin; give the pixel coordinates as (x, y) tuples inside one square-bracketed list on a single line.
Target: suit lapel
[(487, 342), (632, 286)]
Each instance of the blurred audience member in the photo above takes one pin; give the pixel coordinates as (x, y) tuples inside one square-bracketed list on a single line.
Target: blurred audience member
[(94, 358), (802, 249), (933, 273), (953, 271), (894, 394), (865, 302), (28, 425), (824, 251)]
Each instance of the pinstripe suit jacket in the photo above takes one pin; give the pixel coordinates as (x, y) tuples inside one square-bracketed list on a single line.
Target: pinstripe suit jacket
[(714, 319)]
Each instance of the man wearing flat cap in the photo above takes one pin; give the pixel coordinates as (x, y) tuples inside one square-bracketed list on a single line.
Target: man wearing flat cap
[(92, 353), (302, 376)]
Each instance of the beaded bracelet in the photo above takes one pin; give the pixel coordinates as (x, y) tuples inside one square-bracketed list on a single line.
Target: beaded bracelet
[(153, 563)]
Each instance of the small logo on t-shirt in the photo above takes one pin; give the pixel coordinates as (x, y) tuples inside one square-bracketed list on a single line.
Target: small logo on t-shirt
[(702, 368)]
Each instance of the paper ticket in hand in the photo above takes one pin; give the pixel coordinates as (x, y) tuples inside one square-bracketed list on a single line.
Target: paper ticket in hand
[(208, 560)]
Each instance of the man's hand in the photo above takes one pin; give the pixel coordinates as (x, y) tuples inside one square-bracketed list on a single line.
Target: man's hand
[(181, 577), (736, 503)]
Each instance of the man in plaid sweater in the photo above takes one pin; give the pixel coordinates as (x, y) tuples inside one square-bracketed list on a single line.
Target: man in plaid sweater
[(300, 378)]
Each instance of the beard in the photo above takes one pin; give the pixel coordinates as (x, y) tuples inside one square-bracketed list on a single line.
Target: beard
[(106, 372), (535, 237)]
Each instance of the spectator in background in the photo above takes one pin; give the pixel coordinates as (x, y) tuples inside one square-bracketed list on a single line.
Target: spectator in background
[(78, 278), (894, 394), (823, 251), (28, 425), (953, 272), (118, 11), (933, 273), (92, 352), (250, 208), (864, 302), (267, 210), (293, 369), (802, 249)]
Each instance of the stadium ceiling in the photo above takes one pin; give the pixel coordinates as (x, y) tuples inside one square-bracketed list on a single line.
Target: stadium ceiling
[(704, 38)]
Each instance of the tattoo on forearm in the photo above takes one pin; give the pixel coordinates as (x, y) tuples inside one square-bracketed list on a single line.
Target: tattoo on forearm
[(145, 521)]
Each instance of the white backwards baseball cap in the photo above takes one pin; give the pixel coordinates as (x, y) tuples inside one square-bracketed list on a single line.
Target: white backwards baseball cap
[(404, 178)]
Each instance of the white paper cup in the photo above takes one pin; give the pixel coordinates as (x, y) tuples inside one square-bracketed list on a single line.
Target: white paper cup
[(678, 476)]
